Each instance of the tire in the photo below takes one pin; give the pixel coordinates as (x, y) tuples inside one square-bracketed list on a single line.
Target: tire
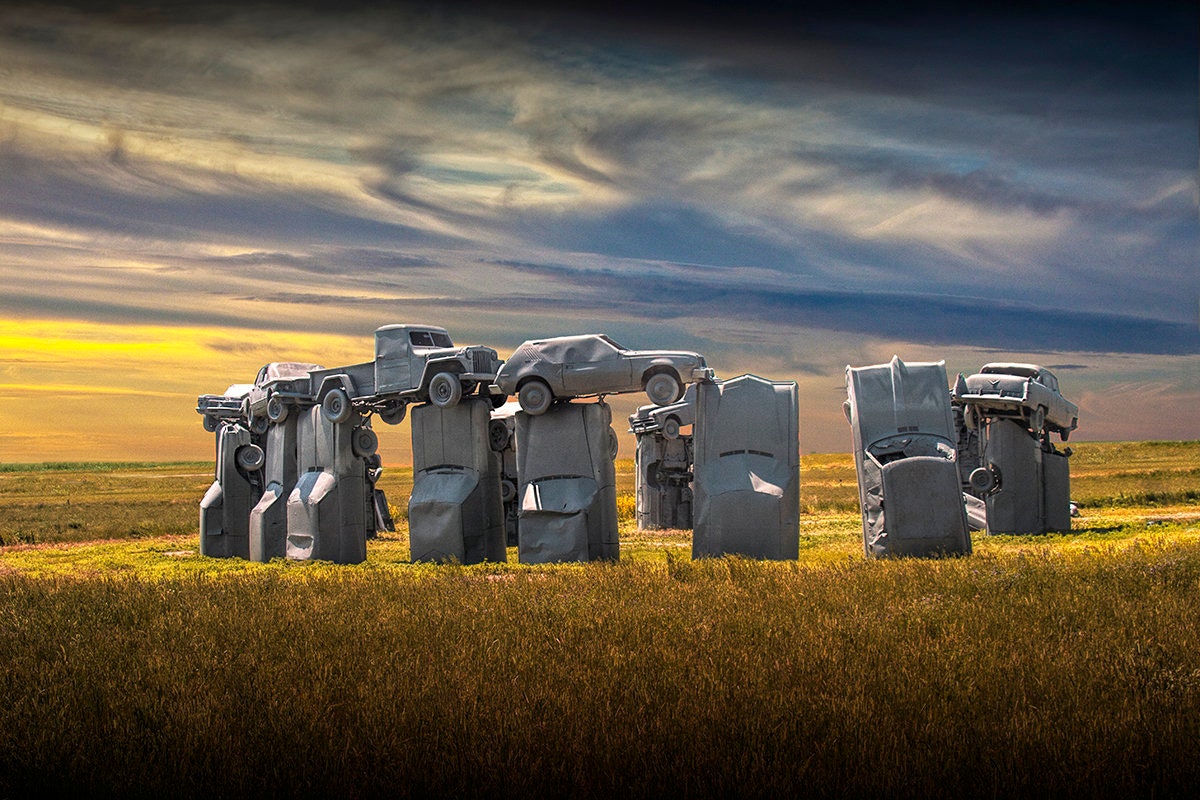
[(614, 446), (336, 406), (663, 388), (210, 423), (394, 415), (670, 428), (259, 425), (250, 457), (277, 410), (982, 480), (445, 390), (508, 491), (535, 397), (1037, 420), (498, 435), (364, 442)]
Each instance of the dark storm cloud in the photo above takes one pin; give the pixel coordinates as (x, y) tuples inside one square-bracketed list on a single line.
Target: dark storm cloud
[(1036, 160), (906, 317)]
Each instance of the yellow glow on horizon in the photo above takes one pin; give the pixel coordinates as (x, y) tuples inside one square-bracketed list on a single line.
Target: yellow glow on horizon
[(82, 391)]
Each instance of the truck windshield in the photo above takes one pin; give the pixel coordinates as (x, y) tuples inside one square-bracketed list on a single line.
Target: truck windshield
[(429, 339)]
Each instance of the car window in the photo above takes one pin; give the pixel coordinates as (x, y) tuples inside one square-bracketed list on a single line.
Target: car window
[(421, 338), (441, 339), (604, 338)]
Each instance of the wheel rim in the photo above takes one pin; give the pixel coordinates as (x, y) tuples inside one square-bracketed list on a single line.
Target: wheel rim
[(662, 389), (535, 398)]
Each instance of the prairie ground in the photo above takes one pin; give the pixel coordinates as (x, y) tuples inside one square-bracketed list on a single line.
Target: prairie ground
[(1066, 664)]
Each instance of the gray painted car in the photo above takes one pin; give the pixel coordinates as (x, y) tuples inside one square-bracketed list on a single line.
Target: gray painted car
[(1024, 391), (413, 363), (668, 419), (544, 370)]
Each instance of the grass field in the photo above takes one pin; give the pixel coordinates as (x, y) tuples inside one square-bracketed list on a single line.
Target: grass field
[(1056, 665)]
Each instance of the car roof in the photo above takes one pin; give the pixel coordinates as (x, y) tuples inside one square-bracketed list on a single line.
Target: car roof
[(411, 326), (287, 369), (1010, 368)]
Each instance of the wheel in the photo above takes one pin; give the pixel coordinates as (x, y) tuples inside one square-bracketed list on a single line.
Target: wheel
[(982, 480), (445, 390), (364, 442), (336, 406), (613, 444), (498, 435), (277, 410), (535, 397), (508, 491), (1037, 420), (210, 423), (394, 415), (663, 388), (670, 428), (259, 425), (250, 457)]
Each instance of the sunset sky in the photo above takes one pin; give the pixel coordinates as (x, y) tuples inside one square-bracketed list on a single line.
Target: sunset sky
[(188, 191)]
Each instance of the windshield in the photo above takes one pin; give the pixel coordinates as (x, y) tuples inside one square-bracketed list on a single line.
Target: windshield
[(611, 342)]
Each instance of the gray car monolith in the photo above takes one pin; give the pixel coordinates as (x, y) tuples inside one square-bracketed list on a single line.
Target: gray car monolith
[(662, 481), (663, 463), (1028, 487), (906, 459), (330, 513), (746, 481), (268, 519), (225, 508), (455, 511), (567, 488), (502, 438)]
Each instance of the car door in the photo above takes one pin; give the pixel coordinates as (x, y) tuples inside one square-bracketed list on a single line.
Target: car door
[(593, 366), (392, 373)]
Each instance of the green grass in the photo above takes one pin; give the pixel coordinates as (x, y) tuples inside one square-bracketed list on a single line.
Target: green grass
[(1066, 664)]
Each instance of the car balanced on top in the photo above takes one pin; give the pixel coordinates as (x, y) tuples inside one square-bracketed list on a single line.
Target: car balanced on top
[(542, 371), (413, 363)]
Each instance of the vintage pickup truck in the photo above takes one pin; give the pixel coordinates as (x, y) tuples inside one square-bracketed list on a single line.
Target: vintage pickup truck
[(413, 363)]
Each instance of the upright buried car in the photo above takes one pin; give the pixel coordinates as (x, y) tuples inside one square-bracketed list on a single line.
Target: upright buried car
[(1023, 391), (544, 370)]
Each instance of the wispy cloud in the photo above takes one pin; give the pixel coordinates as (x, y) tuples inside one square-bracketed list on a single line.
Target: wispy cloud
[(1021, 181)]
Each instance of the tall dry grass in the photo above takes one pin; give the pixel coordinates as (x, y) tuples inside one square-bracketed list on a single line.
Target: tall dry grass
[(1038, 671)]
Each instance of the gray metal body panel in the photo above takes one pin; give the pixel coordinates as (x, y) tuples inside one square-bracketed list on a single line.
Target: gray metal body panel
[(329, 512), (505, 417), (904, 454), (225, 508), (402, 369), (455, 511), (268, 519), (567, 485), (591, 364), (1032, 493), (662, 480), (652, 418), (746, 483), (969, 450), (1017, 391)]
